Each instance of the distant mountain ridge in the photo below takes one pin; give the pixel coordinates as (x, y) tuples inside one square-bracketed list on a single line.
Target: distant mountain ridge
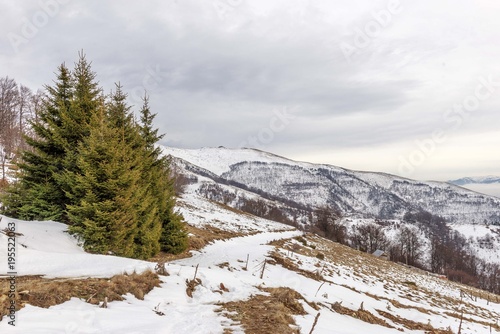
[(476, 180), (240, 174)]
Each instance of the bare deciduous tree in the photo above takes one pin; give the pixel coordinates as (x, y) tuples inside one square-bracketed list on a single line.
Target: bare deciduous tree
[(23, 110), (8, 119), (327, 224), (368, 237), (410, 244), (17, 106)]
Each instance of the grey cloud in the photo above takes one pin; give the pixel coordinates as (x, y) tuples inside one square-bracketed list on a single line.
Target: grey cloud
[(216, 78)]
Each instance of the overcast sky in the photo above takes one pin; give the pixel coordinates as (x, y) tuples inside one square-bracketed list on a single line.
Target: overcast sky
[(404, 87)]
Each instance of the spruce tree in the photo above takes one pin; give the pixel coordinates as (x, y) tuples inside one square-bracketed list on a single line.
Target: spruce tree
[(76, 119), (63, 124), (37, 194), (159, 179), (105, 190), (148, 230), (86, 97)]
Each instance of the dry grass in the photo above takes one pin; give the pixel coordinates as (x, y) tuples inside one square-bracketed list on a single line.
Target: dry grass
[(191, 286), (399, 305), (481, 294), (198, 238), (229, 208), (41, 292), (264, 314), (494, 325), (334, 253), (304, 248), (289, 298), (412, 325), (360, 314), (276, 258)]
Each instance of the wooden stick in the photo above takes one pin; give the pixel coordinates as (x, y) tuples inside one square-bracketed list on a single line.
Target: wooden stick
[(319, 289), (263, 268), (196, 271), (315, 322)]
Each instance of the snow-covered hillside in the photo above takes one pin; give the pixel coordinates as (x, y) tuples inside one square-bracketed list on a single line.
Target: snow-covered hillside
[(352, 292), (484, 240), (219, 160), (364, 194), (46, 249)]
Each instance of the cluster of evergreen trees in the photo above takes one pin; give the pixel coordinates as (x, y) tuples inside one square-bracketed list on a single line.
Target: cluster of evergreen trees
[(94, 167)]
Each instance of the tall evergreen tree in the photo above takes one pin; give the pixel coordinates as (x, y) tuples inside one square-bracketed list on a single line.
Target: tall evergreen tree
[(161, 184), (118, 111), (146, 238), (75, 127), (86, 97), (63, 123), (37, 194), (148, 133), (105, 190)]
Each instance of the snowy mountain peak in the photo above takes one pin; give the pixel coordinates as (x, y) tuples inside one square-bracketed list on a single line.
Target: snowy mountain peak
[(219, 160)]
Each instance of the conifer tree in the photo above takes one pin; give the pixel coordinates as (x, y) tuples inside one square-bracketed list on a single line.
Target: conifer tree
[(37, 194), (160, 181), (75, 126), (86, 97), (148, 230), (105, 190), (150, 135), (63, 123)]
